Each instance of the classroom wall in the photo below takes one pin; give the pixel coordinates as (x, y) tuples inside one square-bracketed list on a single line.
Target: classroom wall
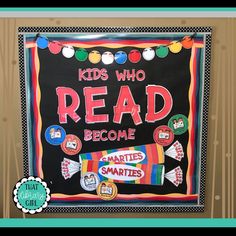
[(220, 190)]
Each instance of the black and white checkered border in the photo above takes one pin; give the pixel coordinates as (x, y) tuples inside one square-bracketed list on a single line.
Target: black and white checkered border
[(23, 104), (205, 118), (124, 209), (113, 29), (128, 208)]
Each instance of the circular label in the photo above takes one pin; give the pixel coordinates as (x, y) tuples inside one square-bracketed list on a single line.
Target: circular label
[(107, 58), (134, 56), (89, 181), (120, 57), (54, 47), (94, 57), (163, 135), (107, 190), (175, 47), (31, 195), (178, 123), (55, 134), (162, 51), (187, 42), (42, 42), (68, 51), (81, 54), (148, 54), (71, 145)]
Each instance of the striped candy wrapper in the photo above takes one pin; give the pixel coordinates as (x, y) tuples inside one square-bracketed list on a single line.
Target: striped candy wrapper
[(144, 154), (151, 174)]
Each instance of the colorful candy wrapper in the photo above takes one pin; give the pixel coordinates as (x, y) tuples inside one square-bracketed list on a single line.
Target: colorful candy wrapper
[(150, 174), (132, 165), (149, 153)]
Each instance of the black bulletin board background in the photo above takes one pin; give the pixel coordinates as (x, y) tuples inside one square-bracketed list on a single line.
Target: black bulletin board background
[(171, 72)]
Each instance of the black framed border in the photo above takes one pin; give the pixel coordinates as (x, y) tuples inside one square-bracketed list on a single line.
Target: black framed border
[(125, 207)]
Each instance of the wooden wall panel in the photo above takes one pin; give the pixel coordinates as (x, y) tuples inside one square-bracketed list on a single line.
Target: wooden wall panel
[(220, 190)]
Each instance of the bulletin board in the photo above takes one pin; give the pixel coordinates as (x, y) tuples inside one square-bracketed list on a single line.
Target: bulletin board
[(114, 119)]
